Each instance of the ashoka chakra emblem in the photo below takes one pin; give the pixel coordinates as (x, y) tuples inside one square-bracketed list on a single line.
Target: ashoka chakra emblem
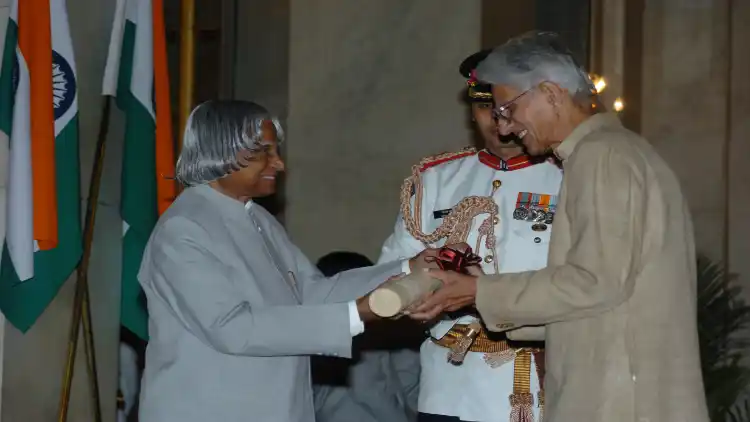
[(63, 85)]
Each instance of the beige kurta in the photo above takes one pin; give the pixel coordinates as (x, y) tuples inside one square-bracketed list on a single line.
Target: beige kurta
[(618, 297)]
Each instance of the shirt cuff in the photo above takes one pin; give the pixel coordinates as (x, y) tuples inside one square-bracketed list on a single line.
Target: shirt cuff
[(405, 267), (356, 326)]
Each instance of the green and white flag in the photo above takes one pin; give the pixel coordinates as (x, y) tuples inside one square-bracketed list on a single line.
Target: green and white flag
[(39, 120), (136, 74)]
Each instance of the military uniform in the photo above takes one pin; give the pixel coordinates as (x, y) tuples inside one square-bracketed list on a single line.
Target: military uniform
[(525, 191)]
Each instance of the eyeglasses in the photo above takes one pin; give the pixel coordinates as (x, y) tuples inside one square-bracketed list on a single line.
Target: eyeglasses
[(503, 112)]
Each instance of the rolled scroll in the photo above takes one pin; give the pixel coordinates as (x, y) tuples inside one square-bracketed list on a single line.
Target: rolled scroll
[(392, 297)]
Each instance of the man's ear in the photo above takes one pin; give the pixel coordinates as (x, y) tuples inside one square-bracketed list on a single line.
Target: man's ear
[(554, 93)]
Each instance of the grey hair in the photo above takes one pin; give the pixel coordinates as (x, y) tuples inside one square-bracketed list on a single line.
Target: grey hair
[(532, 58), (215, 133)]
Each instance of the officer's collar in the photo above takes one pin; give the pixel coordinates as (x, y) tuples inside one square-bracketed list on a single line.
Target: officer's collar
[(516, 163)]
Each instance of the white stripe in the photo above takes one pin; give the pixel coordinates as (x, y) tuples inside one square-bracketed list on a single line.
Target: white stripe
[(142, 82), (112, 69), (20, 229), (63, 45), (4, 17), (14, 11)]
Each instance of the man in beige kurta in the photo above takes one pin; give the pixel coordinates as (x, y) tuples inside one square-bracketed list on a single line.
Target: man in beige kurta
[(617, 301)]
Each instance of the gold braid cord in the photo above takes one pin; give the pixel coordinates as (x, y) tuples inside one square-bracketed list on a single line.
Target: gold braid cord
[(521, 401), (455, 228), (456, 225), (540, 372)]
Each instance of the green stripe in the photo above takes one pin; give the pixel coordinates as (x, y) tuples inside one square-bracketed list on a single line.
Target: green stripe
[(138, 205), (6, 78), (23, 303)]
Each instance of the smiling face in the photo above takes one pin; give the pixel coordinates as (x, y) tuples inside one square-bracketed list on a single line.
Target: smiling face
[(482, 114), (257, 176), (532, 115)]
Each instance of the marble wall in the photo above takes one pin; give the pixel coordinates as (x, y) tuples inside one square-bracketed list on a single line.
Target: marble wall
[(373, 88)]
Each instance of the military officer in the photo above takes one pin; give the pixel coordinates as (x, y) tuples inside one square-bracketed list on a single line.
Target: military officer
[(502, 203)]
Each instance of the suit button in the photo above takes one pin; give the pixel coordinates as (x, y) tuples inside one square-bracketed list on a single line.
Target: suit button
[(488, 259), (495, 220), (537, 240)]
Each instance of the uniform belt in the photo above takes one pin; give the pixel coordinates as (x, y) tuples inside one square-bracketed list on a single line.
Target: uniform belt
[(482, 344), (522, 400)]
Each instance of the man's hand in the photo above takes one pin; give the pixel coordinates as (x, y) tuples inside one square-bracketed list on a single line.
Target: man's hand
[(424, 260), (363, 307), (460, 247), (363, 304), (458, 291)]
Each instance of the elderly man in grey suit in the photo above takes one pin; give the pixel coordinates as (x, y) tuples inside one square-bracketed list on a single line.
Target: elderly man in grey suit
[(235, 308), (618, 297)]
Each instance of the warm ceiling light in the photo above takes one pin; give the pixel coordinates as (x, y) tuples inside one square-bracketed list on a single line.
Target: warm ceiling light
[(618, 105), (599, 82)]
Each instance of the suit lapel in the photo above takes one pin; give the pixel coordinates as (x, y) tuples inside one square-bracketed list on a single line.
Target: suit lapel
[(288, 276)]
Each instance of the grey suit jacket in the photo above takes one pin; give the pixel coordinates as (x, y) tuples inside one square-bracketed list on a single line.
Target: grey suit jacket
[(235, 310)]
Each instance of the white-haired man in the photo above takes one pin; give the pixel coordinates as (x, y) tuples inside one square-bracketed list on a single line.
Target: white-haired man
[(235, 309), (618, 297)]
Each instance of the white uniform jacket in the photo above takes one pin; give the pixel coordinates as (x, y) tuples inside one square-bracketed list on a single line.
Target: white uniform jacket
[(474, 390)]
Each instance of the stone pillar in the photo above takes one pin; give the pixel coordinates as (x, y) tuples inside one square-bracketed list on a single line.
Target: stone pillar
[(681, 68), (739, 147), (685, 105)]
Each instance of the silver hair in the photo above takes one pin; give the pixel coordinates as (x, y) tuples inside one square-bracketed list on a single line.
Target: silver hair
[(215, 133), (532, 58)]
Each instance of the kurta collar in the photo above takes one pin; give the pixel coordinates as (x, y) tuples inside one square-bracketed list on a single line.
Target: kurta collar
[(226, 203), (595, 122)]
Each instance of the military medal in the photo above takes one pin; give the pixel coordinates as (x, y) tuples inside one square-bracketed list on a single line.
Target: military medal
[(521, 213), (535, 208)]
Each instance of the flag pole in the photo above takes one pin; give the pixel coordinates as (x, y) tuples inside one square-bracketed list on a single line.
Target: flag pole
[(187, 64), (81, 303)]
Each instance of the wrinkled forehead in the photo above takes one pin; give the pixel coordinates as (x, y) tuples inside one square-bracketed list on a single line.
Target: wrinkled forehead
[(504, 93)]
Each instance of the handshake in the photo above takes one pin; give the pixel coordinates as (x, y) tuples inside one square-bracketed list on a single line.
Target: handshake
[(440, 280)]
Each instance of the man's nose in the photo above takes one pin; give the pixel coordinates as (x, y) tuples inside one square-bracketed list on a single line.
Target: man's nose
[(279, 165), (504, 127)]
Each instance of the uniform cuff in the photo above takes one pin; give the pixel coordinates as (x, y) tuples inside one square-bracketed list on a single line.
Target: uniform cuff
[(356, 326)]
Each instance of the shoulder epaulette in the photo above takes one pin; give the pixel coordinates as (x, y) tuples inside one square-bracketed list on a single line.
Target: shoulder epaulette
[(435, 160)]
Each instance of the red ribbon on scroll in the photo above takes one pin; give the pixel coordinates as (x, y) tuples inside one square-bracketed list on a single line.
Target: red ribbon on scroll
[(452, 260)]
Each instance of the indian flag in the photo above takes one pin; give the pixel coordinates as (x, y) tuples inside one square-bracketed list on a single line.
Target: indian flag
[(136, 74), (39, 115)]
